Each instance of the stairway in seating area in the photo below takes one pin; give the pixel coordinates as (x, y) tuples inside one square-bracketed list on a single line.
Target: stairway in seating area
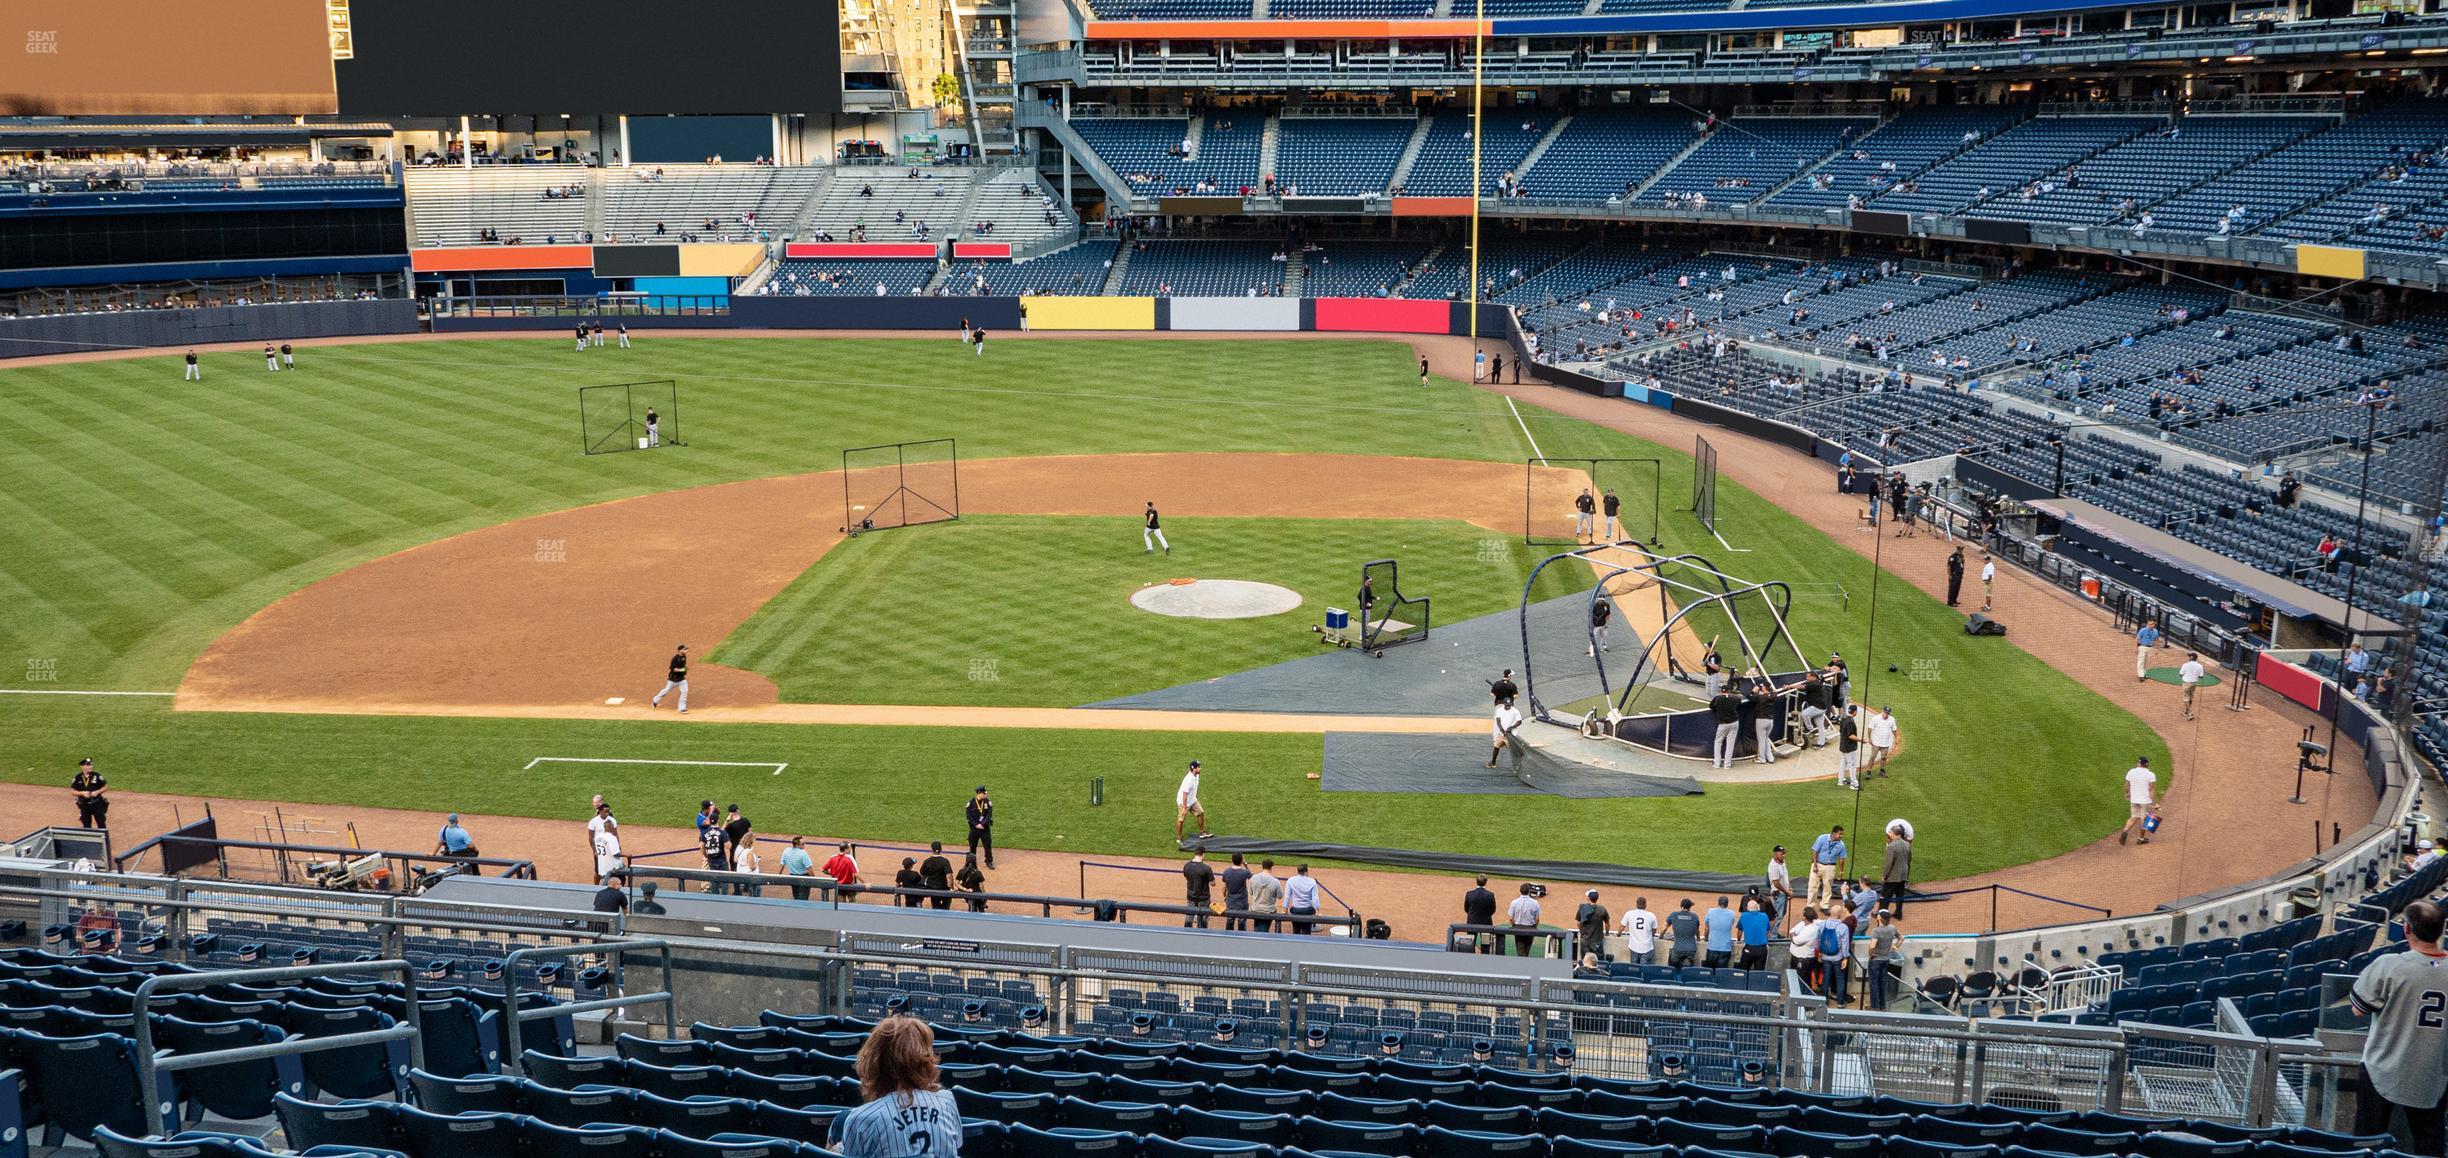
[(1113, 277), (1410, 155)]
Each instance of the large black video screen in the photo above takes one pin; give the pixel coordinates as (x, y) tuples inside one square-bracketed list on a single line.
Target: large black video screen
[(481, 57)]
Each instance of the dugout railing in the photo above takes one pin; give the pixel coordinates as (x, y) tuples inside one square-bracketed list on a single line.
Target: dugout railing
[(1616, 1029)]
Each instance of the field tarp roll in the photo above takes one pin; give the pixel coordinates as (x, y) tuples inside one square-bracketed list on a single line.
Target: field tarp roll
[(1236, 314)]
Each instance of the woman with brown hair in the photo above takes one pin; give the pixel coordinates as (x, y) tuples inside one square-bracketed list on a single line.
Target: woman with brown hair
[(906, 1115)]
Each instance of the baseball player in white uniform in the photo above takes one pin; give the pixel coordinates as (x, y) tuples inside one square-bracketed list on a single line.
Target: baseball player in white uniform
[(624, 335), (606, 842), (1508, 719), (1186, 802), (1152, 536)]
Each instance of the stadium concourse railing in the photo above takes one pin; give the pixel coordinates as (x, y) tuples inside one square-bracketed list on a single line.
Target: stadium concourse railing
[(826, 891), (288, 863), (1785, 1039), (148, 915), (1553, 59)]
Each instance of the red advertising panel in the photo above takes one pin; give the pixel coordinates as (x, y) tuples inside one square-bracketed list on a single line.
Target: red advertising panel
[(1385, 315), (2293, 682), (983, 250), (860, 250)]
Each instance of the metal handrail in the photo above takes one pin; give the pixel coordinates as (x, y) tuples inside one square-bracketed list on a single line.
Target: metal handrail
[(514, 1017), (837, 895), (150, 1067), (512, 867)]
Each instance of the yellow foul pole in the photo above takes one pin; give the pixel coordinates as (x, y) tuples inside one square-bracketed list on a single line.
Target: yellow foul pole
[(1478, 99)]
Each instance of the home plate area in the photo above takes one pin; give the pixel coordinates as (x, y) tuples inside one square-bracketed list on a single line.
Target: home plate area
[(1215, 599)]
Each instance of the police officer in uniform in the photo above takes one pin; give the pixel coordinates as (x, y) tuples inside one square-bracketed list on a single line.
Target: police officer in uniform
[(93, 808), (981, 824)]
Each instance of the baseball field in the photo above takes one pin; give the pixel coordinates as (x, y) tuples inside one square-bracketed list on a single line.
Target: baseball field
[(389, 578)]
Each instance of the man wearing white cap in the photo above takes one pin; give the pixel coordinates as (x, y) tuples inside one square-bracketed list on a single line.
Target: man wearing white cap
[(2425, 852)]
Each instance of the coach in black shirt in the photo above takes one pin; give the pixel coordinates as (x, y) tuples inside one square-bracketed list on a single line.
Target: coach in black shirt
[(1479, 908), (1504, 689), (610, 898), (733, 829), (1726, 708)]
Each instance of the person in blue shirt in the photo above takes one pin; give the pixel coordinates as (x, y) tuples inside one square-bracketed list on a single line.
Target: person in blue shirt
[(908, 1114), (1827, 854), (1720, 924), (796, 862), (2144, 640), (454, 840), (1753, 925)]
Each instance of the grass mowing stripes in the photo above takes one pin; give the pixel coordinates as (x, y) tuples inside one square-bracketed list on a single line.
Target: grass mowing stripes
[(147, 516), (1033, 610), (907, 785)]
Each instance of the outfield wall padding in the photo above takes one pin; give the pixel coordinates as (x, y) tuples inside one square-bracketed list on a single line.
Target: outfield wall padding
[(1384, 315), (1235, 314), (1063, 313), (720, 259), (280, 322)]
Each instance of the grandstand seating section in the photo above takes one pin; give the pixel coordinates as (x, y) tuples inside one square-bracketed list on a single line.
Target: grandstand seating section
[(1443, 167), (1361, 269), (1901, 148), (1340, 156), (2142, 170), (1607, 154), (1138, 146), (454, 206), (2007, 161), (802, 277), (687, 196), (1744, 160), (1076, 270), (1228, 269)]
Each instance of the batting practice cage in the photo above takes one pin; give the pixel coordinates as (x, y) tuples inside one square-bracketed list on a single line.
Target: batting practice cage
[(1641, 681), (900, 484), (1550, 486), (1704, 482), (613, 417), (1387, 616)]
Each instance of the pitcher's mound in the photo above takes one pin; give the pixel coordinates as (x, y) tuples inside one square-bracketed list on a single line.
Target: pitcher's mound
[(1216, 599)]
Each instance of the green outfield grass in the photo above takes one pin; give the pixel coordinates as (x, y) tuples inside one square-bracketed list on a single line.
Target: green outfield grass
[(1033, 610), (147, 517), (902, 785)]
